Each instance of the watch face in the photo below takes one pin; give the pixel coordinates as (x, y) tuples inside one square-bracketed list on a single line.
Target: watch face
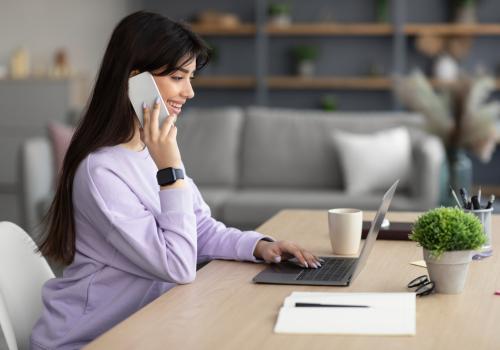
[(168, 176)]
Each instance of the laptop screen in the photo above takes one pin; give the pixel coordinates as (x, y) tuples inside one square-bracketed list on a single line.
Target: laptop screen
[(374, 228)]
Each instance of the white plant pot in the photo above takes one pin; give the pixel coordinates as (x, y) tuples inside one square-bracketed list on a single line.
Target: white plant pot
[(306, 68), (449, 271), (282, 20)]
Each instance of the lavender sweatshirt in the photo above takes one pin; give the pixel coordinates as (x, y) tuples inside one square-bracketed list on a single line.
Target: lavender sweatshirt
[(133, 243)]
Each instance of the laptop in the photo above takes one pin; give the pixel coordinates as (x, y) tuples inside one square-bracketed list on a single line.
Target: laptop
[(335, 271)]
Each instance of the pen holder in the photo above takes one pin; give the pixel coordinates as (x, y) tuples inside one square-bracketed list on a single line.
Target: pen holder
[(484, 215)]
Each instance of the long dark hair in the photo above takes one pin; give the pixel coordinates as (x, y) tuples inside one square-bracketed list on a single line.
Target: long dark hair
[(142, 41)]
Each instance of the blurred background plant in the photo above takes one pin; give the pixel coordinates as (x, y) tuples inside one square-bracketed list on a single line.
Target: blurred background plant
[(279, 14), (460, 113), (305, 57)]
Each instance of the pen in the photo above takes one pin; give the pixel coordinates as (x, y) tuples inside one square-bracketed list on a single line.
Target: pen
[(456, 198), (465, 199), (475, 203), (490, 202), (326, 305), (479, 197)]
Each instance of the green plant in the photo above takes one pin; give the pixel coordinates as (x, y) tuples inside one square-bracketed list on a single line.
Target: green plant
[(447, 229), (329, 103), (278, 9), (305, 53)]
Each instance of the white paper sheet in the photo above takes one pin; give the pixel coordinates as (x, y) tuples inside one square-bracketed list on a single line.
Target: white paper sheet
[(388, 314)]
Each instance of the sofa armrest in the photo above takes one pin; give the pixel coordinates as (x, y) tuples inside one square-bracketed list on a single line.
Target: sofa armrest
[(428, 158), (36, 170)]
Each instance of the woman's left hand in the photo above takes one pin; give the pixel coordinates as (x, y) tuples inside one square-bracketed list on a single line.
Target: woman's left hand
[(275, 252)]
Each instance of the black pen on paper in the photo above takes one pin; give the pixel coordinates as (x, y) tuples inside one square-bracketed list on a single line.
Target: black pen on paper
[(327, 305)]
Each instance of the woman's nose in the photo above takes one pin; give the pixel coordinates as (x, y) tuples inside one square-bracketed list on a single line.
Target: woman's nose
[(188, 91)]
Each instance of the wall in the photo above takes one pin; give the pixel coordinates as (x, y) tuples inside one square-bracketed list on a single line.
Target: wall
[(43, 26)]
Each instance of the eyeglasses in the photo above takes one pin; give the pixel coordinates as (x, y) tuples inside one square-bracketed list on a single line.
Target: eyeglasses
[(423, 284)]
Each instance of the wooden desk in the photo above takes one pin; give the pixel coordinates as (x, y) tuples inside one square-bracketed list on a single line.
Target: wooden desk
[(223, 309)]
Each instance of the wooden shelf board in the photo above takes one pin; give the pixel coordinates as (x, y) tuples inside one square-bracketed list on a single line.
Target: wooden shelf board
[(349, 83), (241, 29), (453, 29), (240, 82), (328, 28)]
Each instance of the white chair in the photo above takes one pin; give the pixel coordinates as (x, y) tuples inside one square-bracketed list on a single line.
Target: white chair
[(22, 274)]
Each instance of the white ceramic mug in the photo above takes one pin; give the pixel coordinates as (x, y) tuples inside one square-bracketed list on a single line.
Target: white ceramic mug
[(345, 227)]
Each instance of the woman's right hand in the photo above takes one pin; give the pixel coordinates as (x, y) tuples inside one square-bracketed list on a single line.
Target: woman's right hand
[(161, 141)]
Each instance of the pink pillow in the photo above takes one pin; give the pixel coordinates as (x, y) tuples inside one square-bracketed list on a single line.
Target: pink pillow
[(60, 137)]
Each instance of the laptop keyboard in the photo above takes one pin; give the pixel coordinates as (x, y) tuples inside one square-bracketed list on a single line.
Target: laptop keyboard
[(333, 269)]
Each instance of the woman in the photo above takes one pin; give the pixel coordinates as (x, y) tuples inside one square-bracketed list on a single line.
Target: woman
[(126, 235)]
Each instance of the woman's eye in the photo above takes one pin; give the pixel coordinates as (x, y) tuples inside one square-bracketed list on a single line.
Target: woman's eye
[(177, 78)]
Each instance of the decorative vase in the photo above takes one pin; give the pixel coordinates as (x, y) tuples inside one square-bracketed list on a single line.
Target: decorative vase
[(449, 271), (446, 69), (457, 173)]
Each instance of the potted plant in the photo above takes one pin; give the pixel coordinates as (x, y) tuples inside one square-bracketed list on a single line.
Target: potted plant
[(279, 14), (448, 237), (305, 55), (465, 11)]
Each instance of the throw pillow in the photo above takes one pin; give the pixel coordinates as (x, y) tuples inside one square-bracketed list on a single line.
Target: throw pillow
[(60, 137), (372, 162)]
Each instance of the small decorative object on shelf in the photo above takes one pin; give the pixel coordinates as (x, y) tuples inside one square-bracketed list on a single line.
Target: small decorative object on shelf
[(61, 67), (461, 114), (305, 56), (329, 103), (448, 237), (217, 18), (20, 64), (279, 14)]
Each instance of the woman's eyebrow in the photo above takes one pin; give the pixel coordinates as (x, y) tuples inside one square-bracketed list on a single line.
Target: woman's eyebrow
[(183, 70)]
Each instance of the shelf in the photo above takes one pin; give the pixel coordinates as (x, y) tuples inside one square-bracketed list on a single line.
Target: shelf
[(328, 28), (452, 29), (221, 82), (238, 30), (348, 83)]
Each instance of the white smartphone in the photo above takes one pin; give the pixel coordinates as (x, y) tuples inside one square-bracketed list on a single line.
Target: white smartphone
[(142, 88)]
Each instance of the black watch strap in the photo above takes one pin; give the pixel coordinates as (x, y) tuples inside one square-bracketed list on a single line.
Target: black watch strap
[(168, 176)]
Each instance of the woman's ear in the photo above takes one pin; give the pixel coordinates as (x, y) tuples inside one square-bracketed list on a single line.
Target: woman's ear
[(134, 72)]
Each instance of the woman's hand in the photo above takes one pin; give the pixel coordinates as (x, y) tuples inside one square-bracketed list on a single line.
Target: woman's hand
[(281, 250), (161, 141)]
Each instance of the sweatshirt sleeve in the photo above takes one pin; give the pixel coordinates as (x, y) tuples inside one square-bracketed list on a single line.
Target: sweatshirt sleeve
[(161, 246), (215, 240)]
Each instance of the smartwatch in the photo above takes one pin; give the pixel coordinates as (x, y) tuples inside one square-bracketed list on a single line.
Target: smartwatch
[(168, 176)]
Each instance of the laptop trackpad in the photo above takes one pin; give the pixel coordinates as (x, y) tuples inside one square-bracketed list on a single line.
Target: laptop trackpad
[(286, 267)]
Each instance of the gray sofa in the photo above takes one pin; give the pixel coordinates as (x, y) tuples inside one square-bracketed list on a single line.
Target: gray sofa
[(250, 163)]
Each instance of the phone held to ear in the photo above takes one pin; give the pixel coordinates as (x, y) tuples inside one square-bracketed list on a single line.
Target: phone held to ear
[(143, 89)]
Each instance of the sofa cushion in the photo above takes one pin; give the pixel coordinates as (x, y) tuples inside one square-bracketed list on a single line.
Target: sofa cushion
[(372, 162), (250, 206), (215, 197), (209, 141), (293, 149)]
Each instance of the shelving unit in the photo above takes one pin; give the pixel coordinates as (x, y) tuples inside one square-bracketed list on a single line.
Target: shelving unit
[(452, 29), (351, 43), (218, 30), (348, 83), (329, 29)]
